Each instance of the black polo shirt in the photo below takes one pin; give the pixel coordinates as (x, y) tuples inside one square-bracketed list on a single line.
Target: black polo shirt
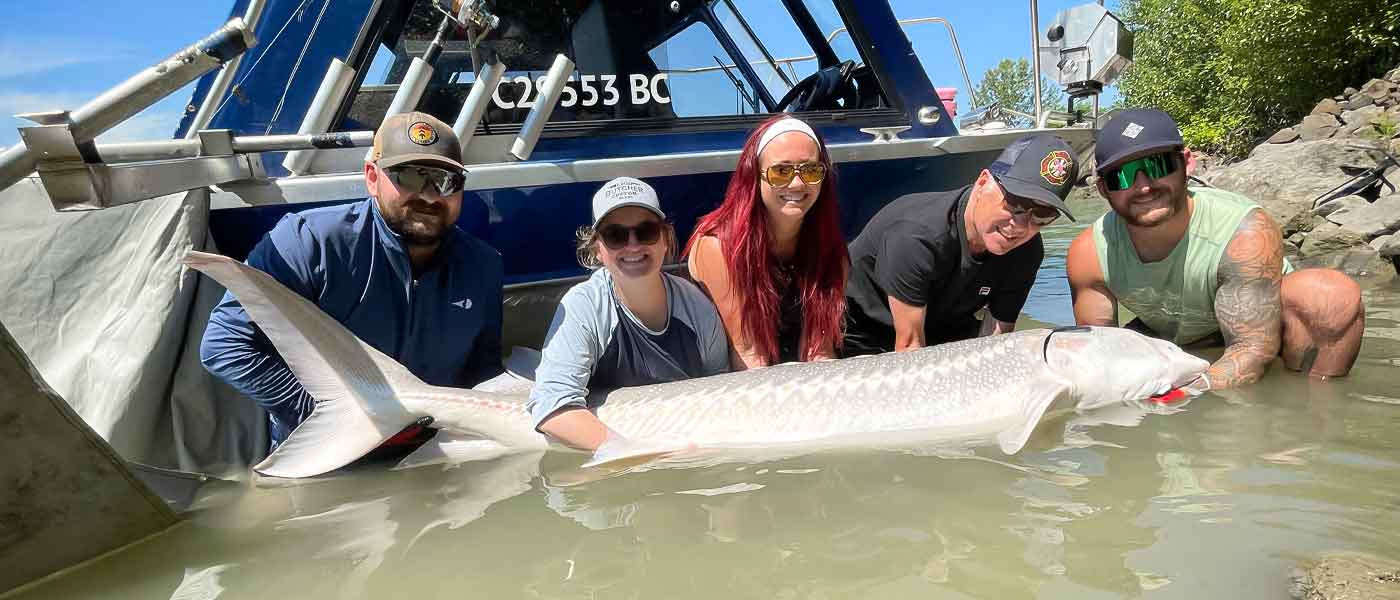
[(915, 249)]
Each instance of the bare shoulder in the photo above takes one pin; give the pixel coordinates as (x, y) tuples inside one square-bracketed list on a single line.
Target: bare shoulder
[(1082, 260), (1255, 251), (706, 255), (708, 266)]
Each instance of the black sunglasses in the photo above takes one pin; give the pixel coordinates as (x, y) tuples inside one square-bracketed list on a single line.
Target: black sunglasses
[(416, 178), (615, 236), (1039, 214)]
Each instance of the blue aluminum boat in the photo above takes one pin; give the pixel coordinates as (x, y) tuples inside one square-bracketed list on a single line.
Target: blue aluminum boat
[(664, 91)]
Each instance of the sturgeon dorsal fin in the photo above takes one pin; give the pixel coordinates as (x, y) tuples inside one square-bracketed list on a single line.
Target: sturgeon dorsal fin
[(523, 362), (356, 387), (1043, 393)]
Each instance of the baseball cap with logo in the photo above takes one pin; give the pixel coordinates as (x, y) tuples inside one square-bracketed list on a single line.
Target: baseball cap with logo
[(1133, 131), (624, 191), (1040, 168), (416, 137)]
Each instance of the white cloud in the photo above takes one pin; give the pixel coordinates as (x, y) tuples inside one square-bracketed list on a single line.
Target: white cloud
[(155, 123), (25, 56)]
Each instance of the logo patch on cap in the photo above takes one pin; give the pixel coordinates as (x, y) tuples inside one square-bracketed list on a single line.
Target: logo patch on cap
[(1055, 167), (984, 290), (1132, 130), (422, 133)]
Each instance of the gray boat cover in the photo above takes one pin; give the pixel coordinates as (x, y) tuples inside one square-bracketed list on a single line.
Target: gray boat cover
[(105, 310)]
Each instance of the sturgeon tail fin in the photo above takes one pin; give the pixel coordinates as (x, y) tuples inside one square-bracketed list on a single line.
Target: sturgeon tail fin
[(357, 388)]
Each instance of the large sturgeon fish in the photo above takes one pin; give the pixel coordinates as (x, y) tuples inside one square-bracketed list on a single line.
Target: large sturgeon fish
[(986, 389)]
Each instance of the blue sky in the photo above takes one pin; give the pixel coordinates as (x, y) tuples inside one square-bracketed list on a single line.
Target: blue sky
[(89, 46)]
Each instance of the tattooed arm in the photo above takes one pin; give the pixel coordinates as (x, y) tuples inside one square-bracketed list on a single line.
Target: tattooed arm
[(1247, 304)]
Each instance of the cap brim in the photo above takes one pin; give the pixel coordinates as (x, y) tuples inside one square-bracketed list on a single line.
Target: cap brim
[(421, 159), (1108, 163), (1034, 193), (610, 210)]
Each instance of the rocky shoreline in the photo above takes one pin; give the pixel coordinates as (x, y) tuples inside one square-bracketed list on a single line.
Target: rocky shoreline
[(1348, 576), (1331, 182)]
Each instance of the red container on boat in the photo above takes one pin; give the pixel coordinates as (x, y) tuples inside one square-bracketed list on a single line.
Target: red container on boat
[(949, 96)]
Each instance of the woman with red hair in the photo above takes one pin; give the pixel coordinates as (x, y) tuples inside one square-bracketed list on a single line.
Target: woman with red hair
[(772, 257)]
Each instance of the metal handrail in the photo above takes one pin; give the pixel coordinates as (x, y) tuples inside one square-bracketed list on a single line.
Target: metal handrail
[(952, 36)]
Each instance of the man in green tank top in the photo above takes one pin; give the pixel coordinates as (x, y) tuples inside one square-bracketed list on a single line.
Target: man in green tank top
[(1198, 265)]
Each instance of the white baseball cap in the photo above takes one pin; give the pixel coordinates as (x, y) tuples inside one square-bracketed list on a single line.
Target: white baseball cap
[(624, 191)]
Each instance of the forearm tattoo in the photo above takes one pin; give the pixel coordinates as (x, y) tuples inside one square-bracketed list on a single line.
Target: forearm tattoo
[(1247, 304)]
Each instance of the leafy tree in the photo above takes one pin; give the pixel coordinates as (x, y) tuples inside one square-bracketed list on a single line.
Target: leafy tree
[(1009, 85), (1233, 71)]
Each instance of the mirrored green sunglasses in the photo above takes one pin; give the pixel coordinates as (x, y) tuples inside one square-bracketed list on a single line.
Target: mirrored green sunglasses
[(1154, 165)]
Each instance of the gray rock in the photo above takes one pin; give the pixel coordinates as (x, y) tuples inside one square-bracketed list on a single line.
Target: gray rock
[(1357, 101), (1302, 222), (1350, 576), (1381, 217), (1328, 106), (1377, 89), (1350, 91), (1393, 75), (1284, 136), (1297, 239), (1329, 238), (1318, 127), (1387, 245), (1339, 97), (1363, 264), (1361, 120), (1348, 202), (1285, 178)]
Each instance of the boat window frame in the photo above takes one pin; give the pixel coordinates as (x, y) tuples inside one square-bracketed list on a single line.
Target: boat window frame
[(372, 34)]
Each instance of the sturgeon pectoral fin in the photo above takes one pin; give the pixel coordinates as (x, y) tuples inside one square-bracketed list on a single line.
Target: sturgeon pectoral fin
[(357, 388), (1043, 394)]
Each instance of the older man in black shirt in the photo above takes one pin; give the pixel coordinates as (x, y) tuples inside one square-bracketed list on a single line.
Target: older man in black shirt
[(926, 263)]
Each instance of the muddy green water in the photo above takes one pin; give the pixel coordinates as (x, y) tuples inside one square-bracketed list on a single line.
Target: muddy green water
[(1220, 500)]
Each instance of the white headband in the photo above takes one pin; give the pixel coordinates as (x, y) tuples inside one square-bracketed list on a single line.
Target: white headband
[(785, 126)]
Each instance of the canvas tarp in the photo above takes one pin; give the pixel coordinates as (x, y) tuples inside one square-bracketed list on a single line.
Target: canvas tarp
[(102, 306)]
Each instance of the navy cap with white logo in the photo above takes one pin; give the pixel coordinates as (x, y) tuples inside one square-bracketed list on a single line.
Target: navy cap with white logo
[(1040, 168), (1133, 131)]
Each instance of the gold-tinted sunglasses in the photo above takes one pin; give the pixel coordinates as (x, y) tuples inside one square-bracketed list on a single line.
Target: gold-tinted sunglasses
[(781, 174)]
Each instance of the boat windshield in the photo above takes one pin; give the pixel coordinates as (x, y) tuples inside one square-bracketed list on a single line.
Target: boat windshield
[(635, 61)]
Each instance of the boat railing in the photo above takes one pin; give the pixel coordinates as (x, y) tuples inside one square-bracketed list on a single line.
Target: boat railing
[(830, 37)]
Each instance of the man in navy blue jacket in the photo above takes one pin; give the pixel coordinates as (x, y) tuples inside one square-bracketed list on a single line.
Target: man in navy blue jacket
[(394, 268)]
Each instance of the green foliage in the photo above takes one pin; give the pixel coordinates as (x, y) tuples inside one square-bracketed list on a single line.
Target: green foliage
[(1384, 128), (1233, 71), (1009, 85)]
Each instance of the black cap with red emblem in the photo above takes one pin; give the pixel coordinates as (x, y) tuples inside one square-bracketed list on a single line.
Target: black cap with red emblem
[(1040, 168), (416, 137)]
